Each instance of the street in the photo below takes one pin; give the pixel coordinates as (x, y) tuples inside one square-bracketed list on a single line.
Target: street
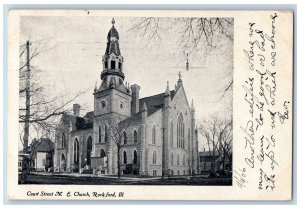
[(128, 180)]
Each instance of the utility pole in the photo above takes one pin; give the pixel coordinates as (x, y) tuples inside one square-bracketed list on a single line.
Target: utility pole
[(27, 91)]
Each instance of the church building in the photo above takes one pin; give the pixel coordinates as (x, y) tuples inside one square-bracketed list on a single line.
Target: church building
[(157, 133)]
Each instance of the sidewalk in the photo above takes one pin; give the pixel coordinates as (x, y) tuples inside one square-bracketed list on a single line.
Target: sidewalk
[(124, 178)]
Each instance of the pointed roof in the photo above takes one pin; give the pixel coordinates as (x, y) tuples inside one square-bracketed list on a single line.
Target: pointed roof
[(144, 107), (113, 44), (167, 92), (112, 32)]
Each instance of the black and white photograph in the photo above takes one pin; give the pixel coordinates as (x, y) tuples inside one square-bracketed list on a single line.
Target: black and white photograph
[(125, 100)]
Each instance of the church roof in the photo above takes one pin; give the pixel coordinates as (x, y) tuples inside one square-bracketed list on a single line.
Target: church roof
[(112, 45), (79, 122), (42, 145), (112, 33), (154, 102)]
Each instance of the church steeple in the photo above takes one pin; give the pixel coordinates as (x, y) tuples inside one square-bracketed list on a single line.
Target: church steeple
[(112, 75)]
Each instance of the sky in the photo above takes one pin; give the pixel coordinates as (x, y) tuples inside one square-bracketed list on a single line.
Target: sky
[(72, 49)]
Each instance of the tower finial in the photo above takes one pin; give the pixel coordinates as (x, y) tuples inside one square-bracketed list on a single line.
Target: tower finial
[(95, 86), (113, 22), (179, 75), (167, 92)]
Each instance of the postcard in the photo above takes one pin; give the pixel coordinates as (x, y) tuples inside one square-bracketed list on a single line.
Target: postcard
[(150, 105)]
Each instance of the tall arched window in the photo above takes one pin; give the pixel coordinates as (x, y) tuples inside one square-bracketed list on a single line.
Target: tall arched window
[(63, 140), (171, 134), (154, 157), (76, 151), (178, 159), (106, 133), (89, 150), (189, 139), (135, 136), (63, 162), (100, 138), (180, 131), (154, 135), (124, 138), (125, 157), (183, 160), (172, 158), (135, 157)]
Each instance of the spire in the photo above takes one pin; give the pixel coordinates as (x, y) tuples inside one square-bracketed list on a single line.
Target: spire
[(179, 82), (95, 89), (113, 72), (167, 92), (144, 107)]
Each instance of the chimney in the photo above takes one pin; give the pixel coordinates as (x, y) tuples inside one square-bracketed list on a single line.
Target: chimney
[(76, 109), (135, 100)]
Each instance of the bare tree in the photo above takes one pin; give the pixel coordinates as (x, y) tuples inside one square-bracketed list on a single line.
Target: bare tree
[(195, 35), (225, 143), (37, 108), (218, 135), (38, 111), (117, 135)]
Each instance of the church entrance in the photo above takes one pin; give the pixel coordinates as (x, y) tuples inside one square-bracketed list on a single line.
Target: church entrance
[(76, 155), (89, 151), (63, 163)]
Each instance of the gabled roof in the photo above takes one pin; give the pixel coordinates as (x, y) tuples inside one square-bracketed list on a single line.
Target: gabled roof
[(154, 102)]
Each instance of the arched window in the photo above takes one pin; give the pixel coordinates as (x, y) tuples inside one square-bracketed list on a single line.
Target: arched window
[(63, 140), (63, 162), (135, 157), (106, 133), (113, 64), (154, 157), (124, 137), (180, 131), (89, 150), (178, 159), (135, 136), (100, 138), (189, 139), (154, 135), (124, 157), (183, 160), (76, 151), (172, 158), (102, 153), (171, 134)]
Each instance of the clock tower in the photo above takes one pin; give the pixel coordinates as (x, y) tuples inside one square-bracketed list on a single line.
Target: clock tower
[(112, 100)]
